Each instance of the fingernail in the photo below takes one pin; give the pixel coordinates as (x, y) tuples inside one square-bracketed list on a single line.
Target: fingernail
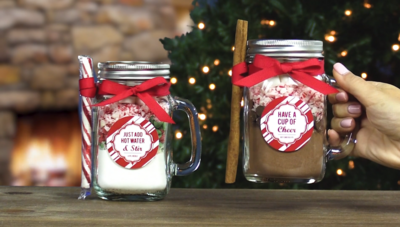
[(354, 109), (340, 68), (346, 123), (341, 97)]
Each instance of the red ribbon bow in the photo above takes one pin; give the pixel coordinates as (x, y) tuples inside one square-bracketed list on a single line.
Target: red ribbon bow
[(155, 87), (264, 67)]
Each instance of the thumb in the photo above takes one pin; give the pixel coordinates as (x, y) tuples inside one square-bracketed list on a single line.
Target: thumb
[(363, 91)]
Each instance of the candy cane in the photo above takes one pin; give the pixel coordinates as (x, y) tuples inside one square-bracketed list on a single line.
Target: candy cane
[(86, 71)]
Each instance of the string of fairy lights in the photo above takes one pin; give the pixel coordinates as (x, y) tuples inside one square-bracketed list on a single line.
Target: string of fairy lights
[(330, 37), (205, 70)]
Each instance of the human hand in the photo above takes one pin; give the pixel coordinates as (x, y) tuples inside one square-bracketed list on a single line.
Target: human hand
[(378, 104)]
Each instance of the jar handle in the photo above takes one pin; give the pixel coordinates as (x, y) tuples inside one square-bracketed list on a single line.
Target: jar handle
[(348, 144), (194, 162)]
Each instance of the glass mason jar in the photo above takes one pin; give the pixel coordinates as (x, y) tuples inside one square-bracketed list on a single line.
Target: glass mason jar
[(132, 157), (285, 120)]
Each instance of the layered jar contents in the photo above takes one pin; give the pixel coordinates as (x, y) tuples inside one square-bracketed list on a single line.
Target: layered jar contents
[(300, 157), (131, 152)]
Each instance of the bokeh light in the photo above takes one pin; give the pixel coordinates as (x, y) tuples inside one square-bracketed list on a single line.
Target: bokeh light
[(201, 25), (174, 80), (178, 135), (212, 87), (206, 69), (215, 128)]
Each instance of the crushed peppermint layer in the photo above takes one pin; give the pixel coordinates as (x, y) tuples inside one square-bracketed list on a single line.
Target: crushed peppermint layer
[(263, 93), (111, 113)]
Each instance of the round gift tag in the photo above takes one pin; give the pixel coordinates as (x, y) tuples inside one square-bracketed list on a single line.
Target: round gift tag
[(287, 123), (132, 142)]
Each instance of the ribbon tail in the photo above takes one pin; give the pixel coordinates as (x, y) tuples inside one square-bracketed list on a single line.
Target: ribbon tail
[(238, 70), (314, 83), (155, 108)]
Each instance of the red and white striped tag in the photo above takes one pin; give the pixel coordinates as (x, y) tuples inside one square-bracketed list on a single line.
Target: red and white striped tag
[(132, 142), (287, 123)]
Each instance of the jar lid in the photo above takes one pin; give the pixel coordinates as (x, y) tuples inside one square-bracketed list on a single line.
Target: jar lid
[(132, 70), (284, 48)]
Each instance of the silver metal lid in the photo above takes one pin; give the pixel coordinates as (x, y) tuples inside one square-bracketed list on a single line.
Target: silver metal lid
[(132, 70), (285, 48)]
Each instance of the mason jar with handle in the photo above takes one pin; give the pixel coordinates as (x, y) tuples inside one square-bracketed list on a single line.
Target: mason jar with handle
[(132, 132), (285, 111)]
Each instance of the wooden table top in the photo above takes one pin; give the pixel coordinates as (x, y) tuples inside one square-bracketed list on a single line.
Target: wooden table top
[(45, 206)]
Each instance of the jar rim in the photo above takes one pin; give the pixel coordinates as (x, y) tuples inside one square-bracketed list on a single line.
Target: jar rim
[(285, 48), (132, 70)]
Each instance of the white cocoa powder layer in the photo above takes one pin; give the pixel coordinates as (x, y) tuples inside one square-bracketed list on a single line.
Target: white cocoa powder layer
[(112, 177)]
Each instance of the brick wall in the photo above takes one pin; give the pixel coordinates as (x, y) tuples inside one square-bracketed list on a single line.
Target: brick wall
[(41, 39)]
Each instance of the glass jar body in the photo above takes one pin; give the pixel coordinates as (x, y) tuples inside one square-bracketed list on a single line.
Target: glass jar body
[(263, 163), (113, 181)]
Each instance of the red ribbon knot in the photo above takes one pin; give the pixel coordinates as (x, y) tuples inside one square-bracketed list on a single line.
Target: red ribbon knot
[(264, 67), (286, 68), (155, 87)]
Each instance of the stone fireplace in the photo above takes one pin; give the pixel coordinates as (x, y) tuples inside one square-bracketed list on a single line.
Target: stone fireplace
[(39, 44)]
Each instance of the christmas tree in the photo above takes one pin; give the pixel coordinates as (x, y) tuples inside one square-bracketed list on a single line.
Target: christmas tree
[(363, 35)]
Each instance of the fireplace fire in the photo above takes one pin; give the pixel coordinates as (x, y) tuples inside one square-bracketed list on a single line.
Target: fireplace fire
[(47, 150)]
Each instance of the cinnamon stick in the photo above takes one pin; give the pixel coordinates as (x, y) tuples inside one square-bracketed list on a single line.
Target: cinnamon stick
[(237, 93)]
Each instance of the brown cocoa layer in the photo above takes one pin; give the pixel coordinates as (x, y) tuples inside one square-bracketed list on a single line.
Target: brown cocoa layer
[(267, 162)]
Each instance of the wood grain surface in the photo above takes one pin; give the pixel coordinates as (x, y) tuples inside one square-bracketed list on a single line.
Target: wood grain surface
[(44, 206)]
